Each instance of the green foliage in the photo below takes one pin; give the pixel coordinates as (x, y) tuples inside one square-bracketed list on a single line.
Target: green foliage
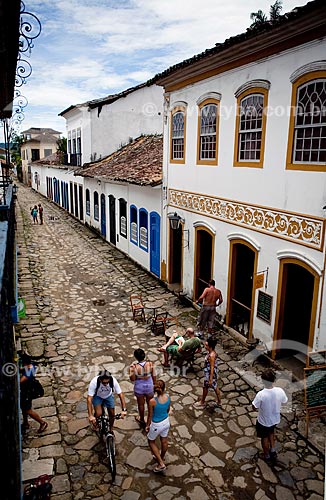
[(15, 145), (259, 17), (275, 11), (61, 149), (62, 145)]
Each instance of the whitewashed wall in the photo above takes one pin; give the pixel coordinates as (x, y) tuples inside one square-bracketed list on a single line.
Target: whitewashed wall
[(272, 186), (140, 196), (140, 112)]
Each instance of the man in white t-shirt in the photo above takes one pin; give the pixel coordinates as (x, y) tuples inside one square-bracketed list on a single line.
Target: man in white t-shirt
[(100, 392), (268, 402)]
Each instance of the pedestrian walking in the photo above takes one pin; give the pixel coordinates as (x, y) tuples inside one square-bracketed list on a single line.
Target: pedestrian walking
[(210, 298), (142, 373), (210, 374), (158, 424), (34, 214), (40, 211), (27, 375), (100, 393), (268, 402)]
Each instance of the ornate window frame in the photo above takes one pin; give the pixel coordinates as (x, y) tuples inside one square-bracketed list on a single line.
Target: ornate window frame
[(143, 229), (88, 202), (134, 225), (260, 87), (303, 75), (96, 206), (123, 218), (213, 99), (178, 108)]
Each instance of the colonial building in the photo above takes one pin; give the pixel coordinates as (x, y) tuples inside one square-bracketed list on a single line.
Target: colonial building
[(119, 195), (38, 143), (244, 170), (98, 128)]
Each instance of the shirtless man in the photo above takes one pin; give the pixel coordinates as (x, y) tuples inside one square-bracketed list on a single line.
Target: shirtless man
[(209, 298)]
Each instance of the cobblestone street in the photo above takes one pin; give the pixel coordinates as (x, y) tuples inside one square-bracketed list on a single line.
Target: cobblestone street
[(77, 288)]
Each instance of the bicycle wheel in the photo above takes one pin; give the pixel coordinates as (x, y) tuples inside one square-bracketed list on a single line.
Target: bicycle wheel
[(110, 453)]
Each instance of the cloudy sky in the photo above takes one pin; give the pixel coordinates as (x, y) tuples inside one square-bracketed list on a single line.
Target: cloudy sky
[(92, 48)]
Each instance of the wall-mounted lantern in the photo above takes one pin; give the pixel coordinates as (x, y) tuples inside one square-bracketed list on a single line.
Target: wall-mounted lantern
[(175, 222)]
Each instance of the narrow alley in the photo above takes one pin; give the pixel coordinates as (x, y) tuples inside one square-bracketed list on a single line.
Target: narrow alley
[(78, 320)]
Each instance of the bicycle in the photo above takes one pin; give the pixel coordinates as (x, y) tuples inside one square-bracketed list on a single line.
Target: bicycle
[(109, 440)]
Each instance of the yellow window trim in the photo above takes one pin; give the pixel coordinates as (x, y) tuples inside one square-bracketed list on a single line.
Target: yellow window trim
[(176, 110), (254, 164), (200, 107), (313, 167)]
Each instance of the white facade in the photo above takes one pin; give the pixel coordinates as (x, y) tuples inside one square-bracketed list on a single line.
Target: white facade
[(145, 199), (103, 127), (234, 202)]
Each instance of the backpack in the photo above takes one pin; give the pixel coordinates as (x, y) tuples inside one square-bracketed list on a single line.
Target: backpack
[(35, 389), (98, 383)]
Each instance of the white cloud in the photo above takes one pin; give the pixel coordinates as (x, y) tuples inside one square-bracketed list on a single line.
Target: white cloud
[(92, 48)]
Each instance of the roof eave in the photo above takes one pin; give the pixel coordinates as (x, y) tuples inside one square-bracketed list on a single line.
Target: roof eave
[(296, 32)]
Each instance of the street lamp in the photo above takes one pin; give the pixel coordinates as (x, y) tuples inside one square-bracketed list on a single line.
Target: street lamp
[(175, 221)]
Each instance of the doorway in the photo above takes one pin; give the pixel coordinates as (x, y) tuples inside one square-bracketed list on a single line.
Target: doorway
[(204, 258), (81, 203), (103, 216), (242, 269), (175, 257), (112, 219), (155, 258), (296, 310)]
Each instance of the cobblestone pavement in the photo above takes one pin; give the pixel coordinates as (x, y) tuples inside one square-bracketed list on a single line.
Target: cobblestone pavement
[(78, 319)]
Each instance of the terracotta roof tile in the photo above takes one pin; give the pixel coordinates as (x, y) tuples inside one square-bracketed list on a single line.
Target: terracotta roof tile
[(139, 162)]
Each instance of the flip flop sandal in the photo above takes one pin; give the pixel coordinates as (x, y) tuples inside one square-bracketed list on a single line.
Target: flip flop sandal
[(158, 469), (142, 423), (43, 427)]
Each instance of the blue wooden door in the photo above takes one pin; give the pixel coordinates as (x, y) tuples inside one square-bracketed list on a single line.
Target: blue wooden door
[(103, 216), (155, 255)]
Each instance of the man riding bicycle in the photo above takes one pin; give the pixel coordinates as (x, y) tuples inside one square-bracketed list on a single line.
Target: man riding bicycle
[(100, 393)]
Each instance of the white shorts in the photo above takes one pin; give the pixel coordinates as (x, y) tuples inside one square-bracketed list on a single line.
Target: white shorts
[(159, 429)]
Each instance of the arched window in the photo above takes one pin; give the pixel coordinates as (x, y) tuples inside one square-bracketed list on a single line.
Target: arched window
[(307, 132), (143, 229), (250, 128), (88, 203), (207, 132), (133, 224), (178, 134), (123, 217), (96, 206)]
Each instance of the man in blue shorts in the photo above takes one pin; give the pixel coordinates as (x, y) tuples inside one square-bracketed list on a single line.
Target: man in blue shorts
[(101, 391)]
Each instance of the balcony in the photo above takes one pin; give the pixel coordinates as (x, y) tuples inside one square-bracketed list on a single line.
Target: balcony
[(73, 159)]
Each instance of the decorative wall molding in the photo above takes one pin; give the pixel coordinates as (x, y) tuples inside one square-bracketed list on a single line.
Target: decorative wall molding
[(209, 95), (242, 236), (297, 228), (262, 84), (308, 68), (291, 254), (200, 223)]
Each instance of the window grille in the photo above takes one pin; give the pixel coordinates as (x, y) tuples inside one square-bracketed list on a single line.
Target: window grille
[(133, 235), (310, 123), (178, 136), (123, 226), (208, 118), (251, 126)]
